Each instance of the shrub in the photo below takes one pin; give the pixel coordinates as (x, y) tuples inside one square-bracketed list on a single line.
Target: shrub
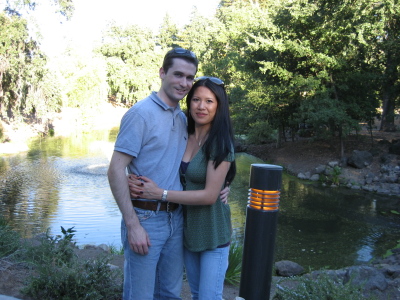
[(59, 274), (90, 280), (9, 240), (234, 270), (322, 287)]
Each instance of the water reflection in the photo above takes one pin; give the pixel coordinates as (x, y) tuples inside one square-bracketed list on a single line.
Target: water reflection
[(62, 182)]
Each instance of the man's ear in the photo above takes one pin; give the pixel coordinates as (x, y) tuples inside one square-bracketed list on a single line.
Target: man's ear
[(162, 73)]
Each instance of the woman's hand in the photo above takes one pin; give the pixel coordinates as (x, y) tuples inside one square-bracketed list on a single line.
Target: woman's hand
[(143, 187)]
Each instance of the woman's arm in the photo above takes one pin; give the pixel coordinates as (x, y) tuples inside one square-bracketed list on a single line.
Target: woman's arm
[(214, 181)]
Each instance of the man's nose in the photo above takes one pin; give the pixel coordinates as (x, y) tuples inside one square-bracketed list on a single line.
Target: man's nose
[(184, 81)]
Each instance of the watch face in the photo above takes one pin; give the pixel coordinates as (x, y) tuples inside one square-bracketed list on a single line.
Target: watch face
[(164, 195)]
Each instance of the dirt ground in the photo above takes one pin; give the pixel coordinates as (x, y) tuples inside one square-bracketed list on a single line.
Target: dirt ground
[(304, 154), (299, 156)]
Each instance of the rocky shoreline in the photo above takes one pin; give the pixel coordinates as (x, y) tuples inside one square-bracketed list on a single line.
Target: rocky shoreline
[(361, 171), (373, 169), (379, 279)]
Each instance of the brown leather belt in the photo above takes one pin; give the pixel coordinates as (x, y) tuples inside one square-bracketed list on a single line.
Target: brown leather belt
[(152, 205)]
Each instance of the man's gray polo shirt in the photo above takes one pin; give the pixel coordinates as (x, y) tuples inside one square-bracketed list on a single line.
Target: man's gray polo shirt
[(156, 136)]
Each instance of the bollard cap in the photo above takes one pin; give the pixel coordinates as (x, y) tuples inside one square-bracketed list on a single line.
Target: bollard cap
[(266, 177)]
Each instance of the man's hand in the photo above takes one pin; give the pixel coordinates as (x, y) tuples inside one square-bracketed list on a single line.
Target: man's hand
[(139, 240), (224, 194)]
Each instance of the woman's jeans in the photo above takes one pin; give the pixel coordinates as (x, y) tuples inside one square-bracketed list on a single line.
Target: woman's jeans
[(206, 272), (157, 275)]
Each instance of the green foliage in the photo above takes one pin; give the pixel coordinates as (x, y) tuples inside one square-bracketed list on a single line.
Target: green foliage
[(21, 67), (116, 250), (84, 81), (9, 240), (390, 252), (335, 175), (1, 133), (132, 61), (232, 275), (52, 250), (168, 36), (330, 64), (322, 287), (261, 132), (59, 274), (90, 280)]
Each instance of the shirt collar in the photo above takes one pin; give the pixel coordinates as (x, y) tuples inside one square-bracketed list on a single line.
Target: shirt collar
[(156, 99)]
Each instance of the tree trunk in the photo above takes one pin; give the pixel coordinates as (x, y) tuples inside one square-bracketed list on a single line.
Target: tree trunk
[(388, 107)]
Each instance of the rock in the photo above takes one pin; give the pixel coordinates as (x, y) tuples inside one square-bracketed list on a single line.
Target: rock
[(333, 164), (369, 178), (314, 177), (287, 268), (369, 277), (395, 148), (301, 176), (320, 169), (360, 159)]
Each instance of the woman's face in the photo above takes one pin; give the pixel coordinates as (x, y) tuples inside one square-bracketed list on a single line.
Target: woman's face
[(203, 106)]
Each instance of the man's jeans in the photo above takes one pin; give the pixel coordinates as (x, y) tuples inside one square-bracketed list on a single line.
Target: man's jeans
[(157, 275), (206, 272)]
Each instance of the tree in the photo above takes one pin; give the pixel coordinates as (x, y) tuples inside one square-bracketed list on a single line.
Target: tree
[(22, 68), (168, 35), (25, 87), (301, 61), (386, 26), (133, 61)]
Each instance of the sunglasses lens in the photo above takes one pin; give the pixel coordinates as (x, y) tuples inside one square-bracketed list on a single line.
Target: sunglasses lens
[(180, 50), (213, 79), (184, 51)]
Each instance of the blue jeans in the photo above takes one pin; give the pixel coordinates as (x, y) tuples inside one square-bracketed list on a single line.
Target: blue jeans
[(206, 272), (157, 275)]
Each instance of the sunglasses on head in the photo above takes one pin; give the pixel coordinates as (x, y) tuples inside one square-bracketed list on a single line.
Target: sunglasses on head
[(184, 51), (215, 80)]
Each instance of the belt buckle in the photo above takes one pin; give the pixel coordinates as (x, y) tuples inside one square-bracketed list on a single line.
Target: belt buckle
[(168, 206)]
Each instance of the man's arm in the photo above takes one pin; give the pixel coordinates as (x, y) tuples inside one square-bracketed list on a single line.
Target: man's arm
[(138, 238)]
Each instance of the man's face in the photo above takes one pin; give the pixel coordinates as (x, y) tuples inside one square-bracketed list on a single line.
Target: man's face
[(176, 83)]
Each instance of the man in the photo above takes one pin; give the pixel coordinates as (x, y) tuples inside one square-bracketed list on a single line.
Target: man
[(151, 142)]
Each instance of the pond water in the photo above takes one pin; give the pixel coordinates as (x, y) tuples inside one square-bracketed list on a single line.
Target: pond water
[(63, 182)]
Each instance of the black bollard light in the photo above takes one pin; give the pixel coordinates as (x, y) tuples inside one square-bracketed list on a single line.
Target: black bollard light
[(260, 231)]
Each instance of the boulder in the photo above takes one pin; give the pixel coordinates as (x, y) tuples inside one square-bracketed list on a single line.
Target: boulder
[(360, 159), (287, 268), (394, 148)]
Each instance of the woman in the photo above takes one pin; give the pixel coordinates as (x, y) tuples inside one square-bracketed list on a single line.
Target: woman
[(208, 164)]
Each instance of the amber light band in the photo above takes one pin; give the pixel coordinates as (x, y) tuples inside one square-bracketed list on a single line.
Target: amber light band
[(264, 200)]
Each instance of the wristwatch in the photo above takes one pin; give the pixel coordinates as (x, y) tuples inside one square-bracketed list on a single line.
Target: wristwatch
[(164, 195)]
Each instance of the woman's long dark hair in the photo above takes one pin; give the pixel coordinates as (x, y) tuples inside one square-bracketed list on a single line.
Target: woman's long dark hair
[(220, 141)]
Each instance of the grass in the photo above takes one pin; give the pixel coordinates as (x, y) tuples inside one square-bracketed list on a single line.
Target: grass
[(9, 240)]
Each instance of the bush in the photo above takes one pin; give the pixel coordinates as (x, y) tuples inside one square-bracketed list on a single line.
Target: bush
[(56, 250), (324, 287), (59, 274), (90, 280), (234, 270)]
